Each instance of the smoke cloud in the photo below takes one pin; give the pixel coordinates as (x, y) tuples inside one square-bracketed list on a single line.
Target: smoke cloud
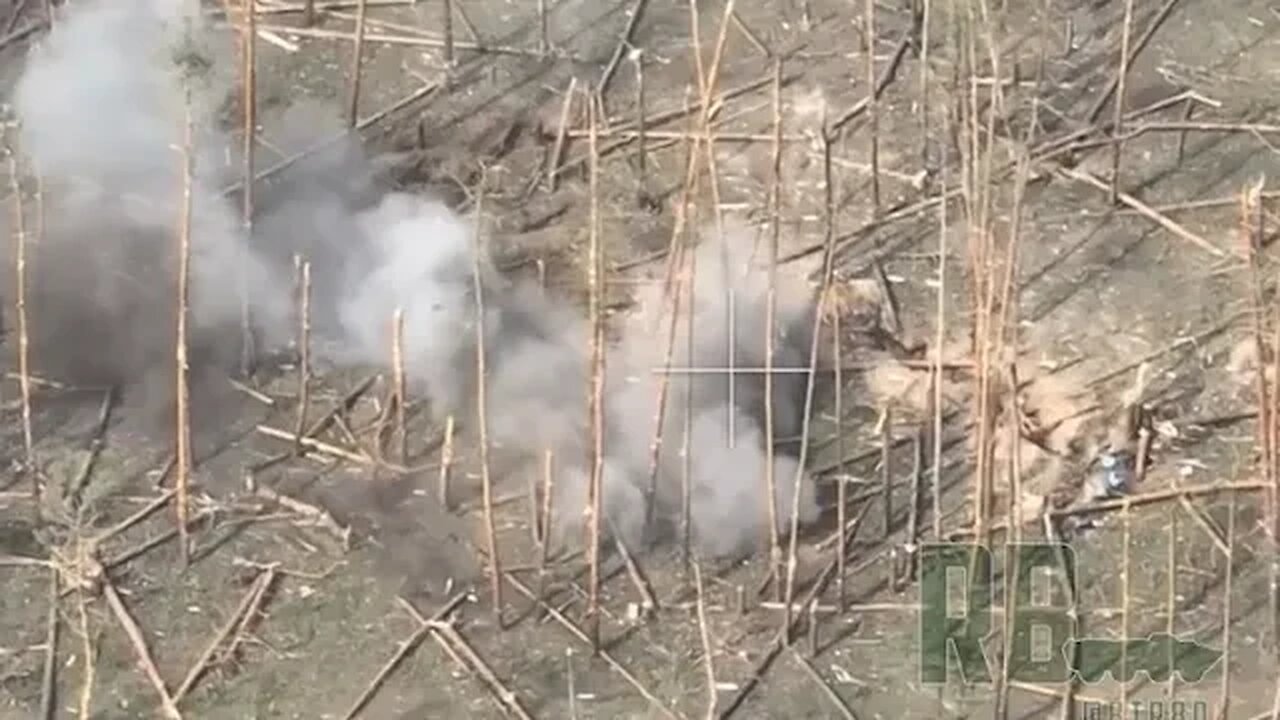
[(102, 105)]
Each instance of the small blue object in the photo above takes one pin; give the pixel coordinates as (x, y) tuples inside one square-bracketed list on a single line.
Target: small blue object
[(1117, 473)]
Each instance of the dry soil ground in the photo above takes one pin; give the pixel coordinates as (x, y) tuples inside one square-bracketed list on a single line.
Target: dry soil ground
[(1101, 288)]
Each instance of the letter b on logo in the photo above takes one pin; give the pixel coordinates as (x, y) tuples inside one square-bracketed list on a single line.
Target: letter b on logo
[(955, 616), (1043, 623)]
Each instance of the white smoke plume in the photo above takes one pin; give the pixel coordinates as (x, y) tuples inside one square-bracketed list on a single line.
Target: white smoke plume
[(101, 104)]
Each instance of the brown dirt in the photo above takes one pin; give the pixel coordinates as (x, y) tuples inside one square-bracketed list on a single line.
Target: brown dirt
[(1100, 286)]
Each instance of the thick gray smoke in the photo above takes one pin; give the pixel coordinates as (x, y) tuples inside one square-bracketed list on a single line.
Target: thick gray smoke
[(726, 475), (102, 106)]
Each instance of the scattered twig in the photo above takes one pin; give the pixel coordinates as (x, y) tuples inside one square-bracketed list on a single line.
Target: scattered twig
[(317, 515), (15, 14), (344, 405), (252, 393), (398, 385), (446, 463), (1126, 522), (828, 271), (183, 452), (1144, 210), (125, 556), (873, 106), (249, 101), (937, 378), (482, 414), (557, 152), (508, 699), (573, 693), (250, 599), (548, 520), (708, 653), (1188, 110), (627, 133), (841, 706), (20, 35), (24, 353), (96, 444), (633, 19), (405, 647), (49, 677), (544, 40), (20, 561), (357, 62), (469, 26), (595, 391), (446, 23), (648, 603), (751, 37), (336, 138), (886, 483), (779, 643), (676, 246), (842, 487), (405, 40), (281, 8), (1122, 75), (85, 699), (1205, 524), (137, 517), (1252, 234), (1227, 604), (770, 322), (1171, 595), (886, 76), (139, 643), (924, 15), (642, 162), (918, 444), (1100, 104), (316, 445), (1192, 340), (304, 349), (582, 637), (1159, 496)]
